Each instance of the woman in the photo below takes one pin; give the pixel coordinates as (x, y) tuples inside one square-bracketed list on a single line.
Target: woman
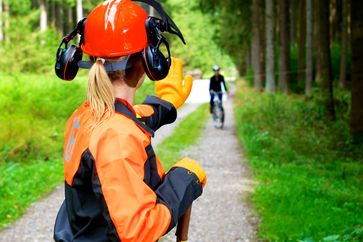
[(115, 186)]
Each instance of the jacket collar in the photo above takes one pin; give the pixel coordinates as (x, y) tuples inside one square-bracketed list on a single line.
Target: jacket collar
[(125, 108)]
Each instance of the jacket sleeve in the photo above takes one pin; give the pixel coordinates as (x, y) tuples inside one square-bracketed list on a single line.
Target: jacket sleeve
[(136, 211), (155, 112)]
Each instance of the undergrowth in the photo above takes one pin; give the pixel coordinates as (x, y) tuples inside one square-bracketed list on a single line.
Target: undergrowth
[(308, 169)]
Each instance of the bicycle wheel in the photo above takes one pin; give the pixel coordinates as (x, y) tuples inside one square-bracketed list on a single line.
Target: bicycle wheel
[(218, 117)]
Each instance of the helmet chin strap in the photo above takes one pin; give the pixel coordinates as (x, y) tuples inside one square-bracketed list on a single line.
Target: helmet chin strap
[(110, 66)]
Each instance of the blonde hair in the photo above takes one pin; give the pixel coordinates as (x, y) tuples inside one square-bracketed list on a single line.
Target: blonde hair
[(100, 91)]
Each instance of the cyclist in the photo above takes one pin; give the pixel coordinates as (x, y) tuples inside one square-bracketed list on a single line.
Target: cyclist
[(115, 186), (215, 86)]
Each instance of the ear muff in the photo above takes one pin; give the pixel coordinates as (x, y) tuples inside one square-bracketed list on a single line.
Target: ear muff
[(156, 65), (66, 65)]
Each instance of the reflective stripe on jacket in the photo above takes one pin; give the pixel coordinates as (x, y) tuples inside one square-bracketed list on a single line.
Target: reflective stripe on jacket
[(115, 186)]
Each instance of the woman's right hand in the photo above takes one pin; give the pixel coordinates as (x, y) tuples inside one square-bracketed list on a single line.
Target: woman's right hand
[(194, 167)]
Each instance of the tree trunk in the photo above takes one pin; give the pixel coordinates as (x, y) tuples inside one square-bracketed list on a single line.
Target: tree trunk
[(1, 22), (356, 124), (256, 46), (79, 10), (52, 13), (6, 16), (43, 16), (59, 17), (270, 54), (69, 22), (248, 59), (284, 77), (344, 39), (325, 62), (309, 48), (339, 18), (301, 45), (316, 40), (262, 29), (292, 21)]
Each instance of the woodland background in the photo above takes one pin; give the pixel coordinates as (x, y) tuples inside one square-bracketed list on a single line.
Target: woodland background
[(299, 104)]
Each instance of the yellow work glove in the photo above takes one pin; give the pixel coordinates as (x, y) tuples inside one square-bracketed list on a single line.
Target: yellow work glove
[(172, 88), (194, 167)]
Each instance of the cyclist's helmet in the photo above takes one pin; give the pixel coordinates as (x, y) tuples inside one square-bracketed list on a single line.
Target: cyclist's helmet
[(216, 68)]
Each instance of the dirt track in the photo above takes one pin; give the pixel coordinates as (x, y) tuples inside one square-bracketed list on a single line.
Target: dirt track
[(222, 212)]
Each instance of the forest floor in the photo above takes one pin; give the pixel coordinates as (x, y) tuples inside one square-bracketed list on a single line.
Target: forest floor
[(222, 213)]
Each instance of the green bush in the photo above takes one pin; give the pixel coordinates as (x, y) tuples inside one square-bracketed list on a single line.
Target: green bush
[(308, 169)]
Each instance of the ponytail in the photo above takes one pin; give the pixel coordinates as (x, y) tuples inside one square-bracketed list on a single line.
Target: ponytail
[(100, 93)]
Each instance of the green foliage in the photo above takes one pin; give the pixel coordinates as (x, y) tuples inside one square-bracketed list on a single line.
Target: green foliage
[(201, 52), (22, 184), (34, 110), (309, 171), (28, 50), (232, 23), (32, 51), (190, 129)]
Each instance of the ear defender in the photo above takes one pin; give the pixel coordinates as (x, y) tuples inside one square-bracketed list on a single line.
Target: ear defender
[(156, 65), (66, 65)]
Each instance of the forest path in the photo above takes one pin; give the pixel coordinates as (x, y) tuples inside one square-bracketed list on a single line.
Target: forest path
[(36, 225), (222, 213)]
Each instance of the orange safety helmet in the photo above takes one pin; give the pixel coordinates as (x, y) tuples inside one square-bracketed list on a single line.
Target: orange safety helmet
[(115, 28)]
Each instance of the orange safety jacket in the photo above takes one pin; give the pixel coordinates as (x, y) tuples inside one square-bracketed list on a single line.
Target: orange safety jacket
[(115, 186)]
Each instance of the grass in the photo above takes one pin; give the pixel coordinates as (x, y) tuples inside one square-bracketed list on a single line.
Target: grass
[(184, 135), (309, 172), (34, 110)]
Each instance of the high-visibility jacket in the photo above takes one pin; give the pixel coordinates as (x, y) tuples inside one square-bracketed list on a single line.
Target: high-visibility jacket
[(115, 186)]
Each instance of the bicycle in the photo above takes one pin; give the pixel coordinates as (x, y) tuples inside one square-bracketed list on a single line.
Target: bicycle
[(217, 111)]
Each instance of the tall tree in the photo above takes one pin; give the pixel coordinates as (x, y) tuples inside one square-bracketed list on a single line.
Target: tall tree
[(59, 17), (6, 15), (301, 43), (79, 10), (270, 54), (293, 10), (344, 43), (325, 61), (309, 48), (1, 21), (43, 15), (316, 39), (256, 45), (357, 70), (284, 77)]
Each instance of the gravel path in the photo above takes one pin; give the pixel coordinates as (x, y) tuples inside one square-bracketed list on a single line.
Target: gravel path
[(37, 223), (222, 212)]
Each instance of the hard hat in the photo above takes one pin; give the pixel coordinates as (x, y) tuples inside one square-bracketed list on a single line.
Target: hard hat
[(115, 28), (216, 68)]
